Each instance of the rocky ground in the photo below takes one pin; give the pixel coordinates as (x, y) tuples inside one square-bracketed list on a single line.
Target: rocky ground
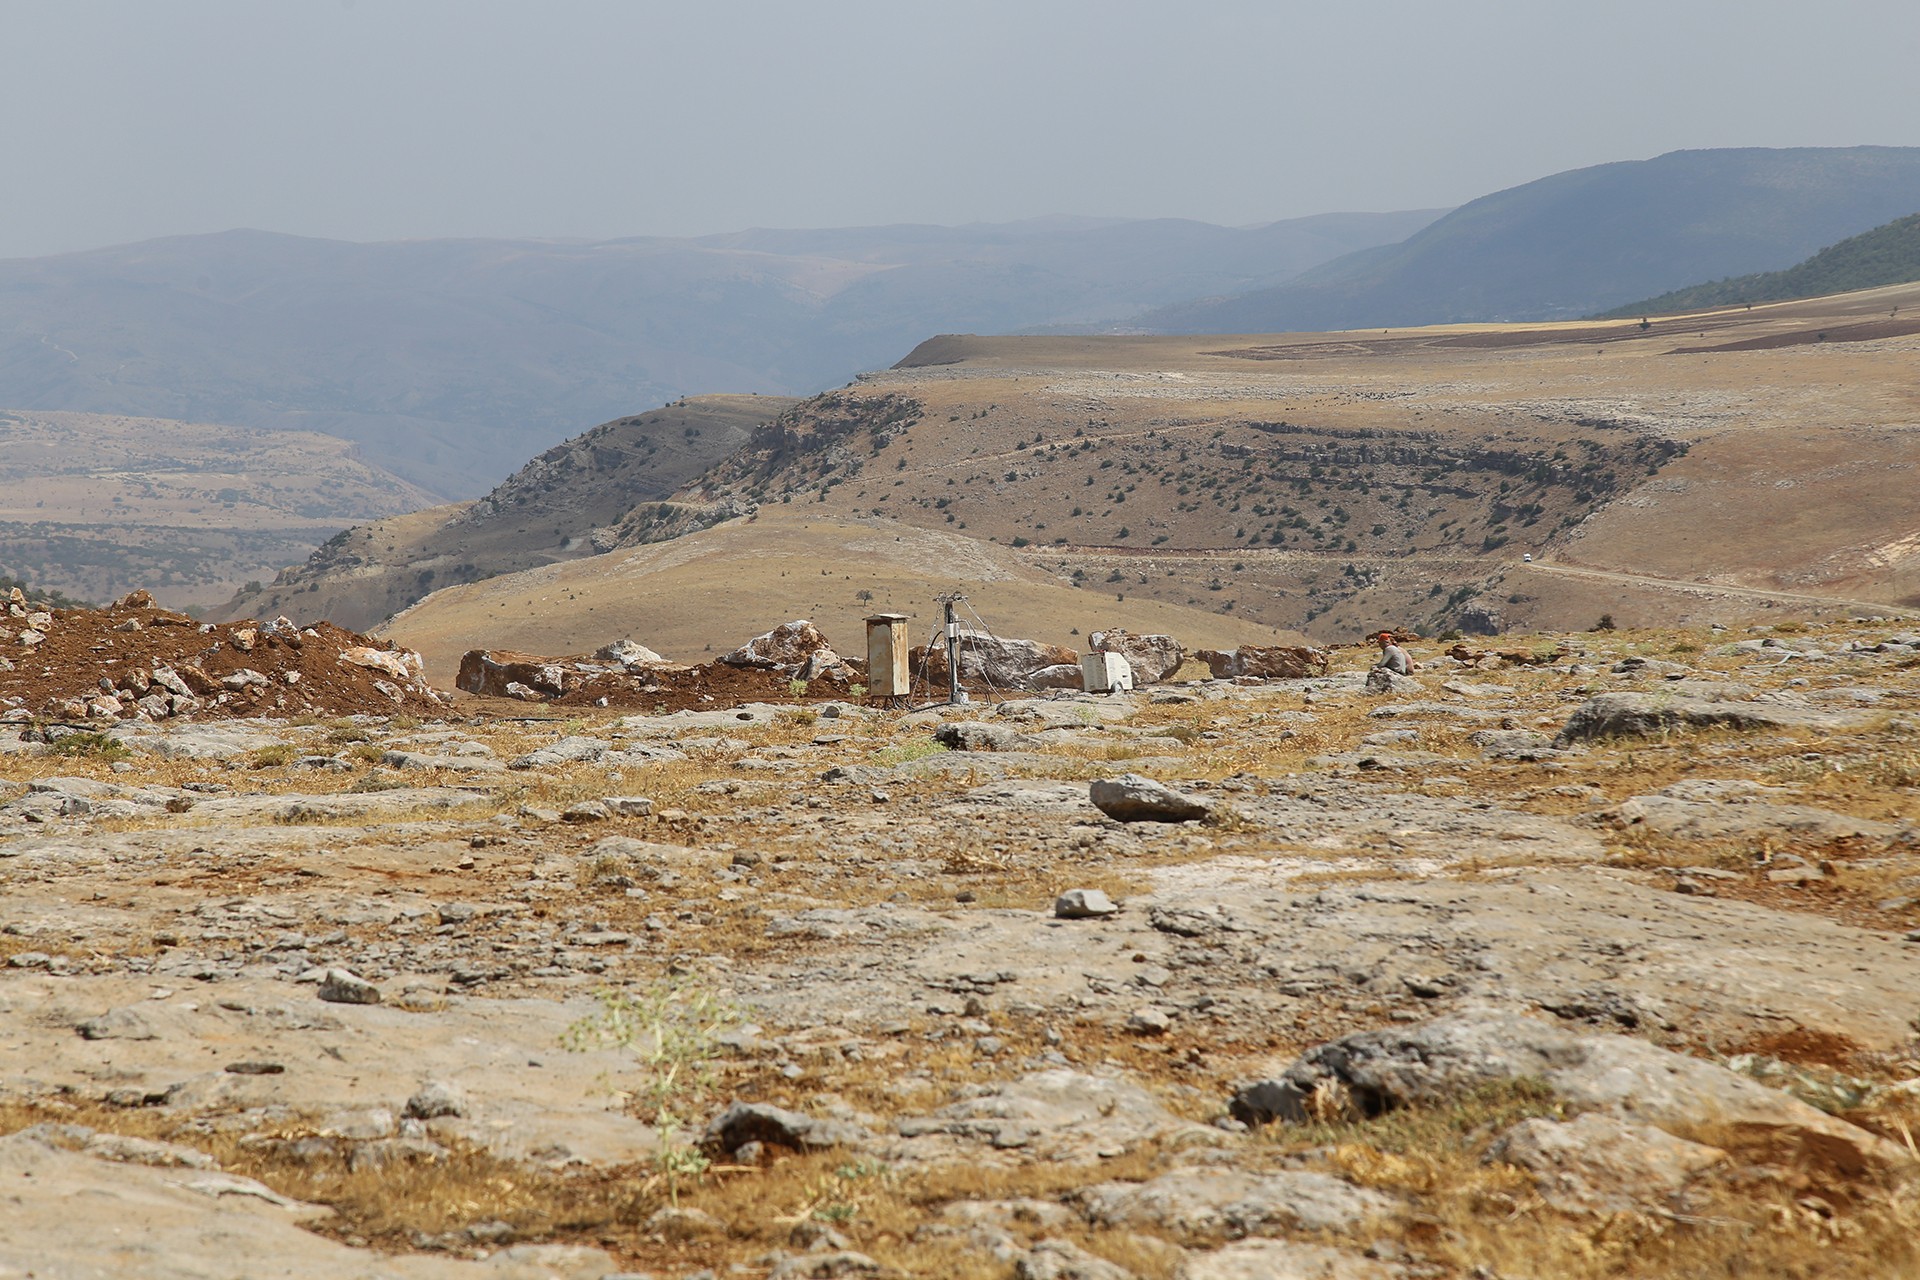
[(1600, 959)]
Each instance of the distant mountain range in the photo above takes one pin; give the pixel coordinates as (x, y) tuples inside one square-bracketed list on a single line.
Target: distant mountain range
[(1585, 241), (1872, 260), (450, 362)]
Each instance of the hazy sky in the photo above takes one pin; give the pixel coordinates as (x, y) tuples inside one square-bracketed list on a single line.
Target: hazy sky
[(382, 119)]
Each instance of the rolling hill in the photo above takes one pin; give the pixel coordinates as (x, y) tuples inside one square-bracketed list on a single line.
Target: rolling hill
[(1711, 468), (1885, 255), (1585, 241), (560, 506)]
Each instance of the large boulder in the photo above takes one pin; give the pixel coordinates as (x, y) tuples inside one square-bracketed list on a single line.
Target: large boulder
[(995, 660), (401, 664), (1265, 662), (975, 735), (1065, 676), (630, 653), (1153, 658), (1598, 1164), (796, 648), (1441, 1061), (1132, 798), (490, 671), (762, 1122)]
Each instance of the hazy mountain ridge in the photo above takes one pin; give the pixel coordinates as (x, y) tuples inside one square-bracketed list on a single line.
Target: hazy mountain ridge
[(450, 362), (1586, 240), (1886, 255)]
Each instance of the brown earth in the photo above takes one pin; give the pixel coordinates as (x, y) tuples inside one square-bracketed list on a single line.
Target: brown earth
[(89, 651)]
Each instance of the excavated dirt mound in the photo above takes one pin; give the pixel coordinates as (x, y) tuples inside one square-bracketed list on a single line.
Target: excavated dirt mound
[(132, 660), (709, 686)]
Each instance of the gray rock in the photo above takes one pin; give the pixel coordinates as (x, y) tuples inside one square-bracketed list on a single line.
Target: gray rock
[(1064, 1260), (972, 735), (1391, 738), (1149, 1022), (629, 806), (762, 1122), (1060, 1113), (1285, 1260), (1132, 798), (1437, 1061), (827, 1266), (1084, 904), (1189, 922), (1638, 666), (1599, 1164), (629, 653), (1063, 675), (1513, 744), (1153, 658), (1693, 819), (1228, 1203), (337, 986), (586, 811), (437, 1098), (569, 750), (1380, 680), (424, 760), (1642, 715), (118, 1024)]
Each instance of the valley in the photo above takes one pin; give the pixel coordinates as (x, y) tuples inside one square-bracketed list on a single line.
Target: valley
[(96, 505)]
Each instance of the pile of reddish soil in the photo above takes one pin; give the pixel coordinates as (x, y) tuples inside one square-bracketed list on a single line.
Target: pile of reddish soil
[(133, 661), (710, 686)]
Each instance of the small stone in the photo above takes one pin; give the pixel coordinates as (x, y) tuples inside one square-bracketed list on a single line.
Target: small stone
[(589, 811), (255, 1068), (1084, 904), (684, 1224), (337, 986), (437, 1098), (1149, 1022), (629, 806)]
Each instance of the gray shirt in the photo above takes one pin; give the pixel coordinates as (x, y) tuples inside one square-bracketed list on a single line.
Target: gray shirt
[(1393, 658)]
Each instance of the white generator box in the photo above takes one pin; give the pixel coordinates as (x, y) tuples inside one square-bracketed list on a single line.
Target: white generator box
[(1106, 673)]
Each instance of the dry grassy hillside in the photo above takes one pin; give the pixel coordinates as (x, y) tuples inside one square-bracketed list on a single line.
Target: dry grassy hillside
[(96, 505), (708, 591), (560, 506), (1701, 467)]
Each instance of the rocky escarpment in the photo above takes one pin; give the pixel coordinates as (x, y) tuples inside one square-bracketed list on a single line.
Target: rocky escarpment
[(565, 504)]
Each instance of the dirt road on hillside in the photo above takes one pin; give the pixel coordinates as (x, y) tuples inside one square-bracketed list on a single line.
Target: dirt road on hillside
[(1685, 587)]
